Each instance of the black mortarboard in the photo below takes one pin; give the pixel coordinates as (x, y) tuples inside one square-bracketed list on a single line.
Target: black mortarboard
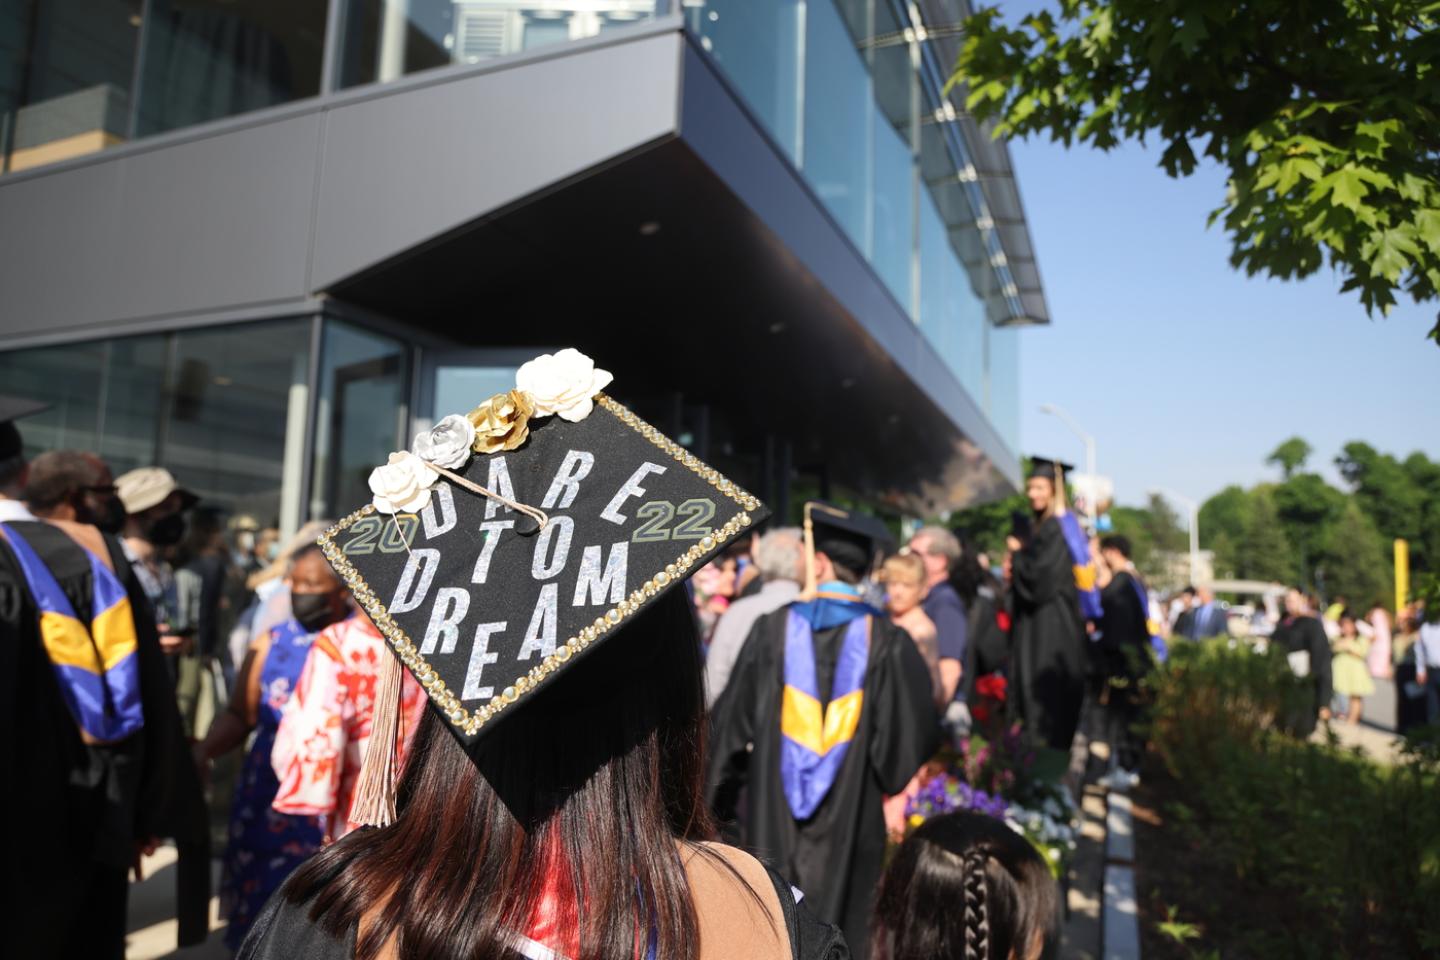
[(855, 540), (1042, 467), (13, 408), (483, 603)]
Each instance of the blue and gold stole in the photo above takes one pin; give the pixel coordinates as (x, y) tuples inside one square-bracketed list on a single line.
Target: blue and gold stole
[(1157, 639), (814, 740), (96, 665), (1082, 566)]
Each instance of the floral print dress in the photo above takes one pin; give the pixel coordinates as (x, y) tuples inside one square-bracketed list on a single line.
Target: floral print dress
[(325, 729), (265, 845)]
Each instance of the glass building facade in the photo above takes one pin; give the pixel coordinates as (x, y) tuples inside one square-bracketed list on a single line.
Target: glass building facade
[(282, 418), (239, 413)]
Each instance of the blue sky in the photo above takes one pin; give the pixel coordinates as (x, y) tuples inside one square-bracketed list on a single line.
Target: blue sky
[(1187, 372)]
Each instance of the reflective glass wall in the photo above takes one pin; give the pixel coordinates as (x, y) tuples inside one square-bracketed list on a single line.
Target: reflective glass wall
[(846, 92), (226, 409), (78, 76)]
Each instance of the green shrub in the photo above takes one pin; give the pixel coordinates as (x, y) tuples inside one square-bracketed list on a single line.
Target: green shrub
[(1354, 845)]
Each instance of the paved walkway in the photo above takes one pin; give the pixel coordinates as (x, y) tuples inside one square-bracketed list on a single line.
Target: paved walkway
[(152, 925)]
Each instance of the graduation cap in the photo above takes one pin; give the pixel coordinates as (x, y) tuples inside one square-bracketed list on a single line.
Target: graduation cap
[(13, 408), (1049, 469), (855, 540), (515, 540)]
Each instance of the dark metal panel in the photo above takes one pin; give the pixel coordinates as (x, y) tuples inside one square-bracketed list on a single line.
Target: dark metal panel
[(400, 171), (201, 226)]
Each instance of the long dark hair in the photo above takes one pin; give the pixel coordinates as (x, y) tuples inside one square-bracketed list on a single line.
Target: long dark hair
[(1010, 900), (583, 792)]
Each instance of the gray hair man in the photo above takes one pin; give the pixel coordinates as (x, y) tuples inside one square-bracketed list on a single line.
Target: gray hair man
[(780, 558), (940, 550)]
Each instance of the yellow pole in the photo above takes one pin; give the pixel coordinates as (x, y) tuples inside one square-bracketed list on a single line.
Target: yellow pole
[(1402, 573)]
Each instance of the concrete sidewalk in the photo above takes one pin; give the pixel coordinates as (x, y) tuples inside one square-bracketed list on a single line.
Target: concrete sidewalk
[(151, 924)]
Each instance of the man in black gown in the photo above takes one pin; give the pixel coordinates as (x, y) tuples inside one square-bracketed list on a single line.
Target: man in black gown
[(816, 813), (1125, 656), (80, 810), (1302, 638), (1048, 634)]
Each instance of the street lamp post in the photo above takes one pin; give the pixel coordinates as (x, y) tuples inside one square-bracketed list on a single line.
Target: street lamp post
[(1089, 441), (1193, 510)]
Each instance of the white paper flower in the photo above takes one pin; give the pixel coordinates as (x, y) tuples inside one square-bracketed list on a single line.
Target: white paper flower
[(403, 484), (447, 444), (563, 383)]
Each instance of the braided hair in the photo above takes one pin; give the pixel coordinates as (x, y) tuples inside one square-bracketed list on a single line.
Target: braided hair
[(1010, 901), (977, 920)]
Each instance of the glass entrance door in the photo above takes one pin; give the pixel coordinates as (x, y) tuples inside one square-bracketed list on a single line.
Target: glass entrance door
[(456, 381)]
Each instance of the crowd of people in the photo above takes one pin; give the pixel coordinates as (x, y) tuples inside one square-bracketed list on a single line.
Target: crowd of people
[(785, 700)]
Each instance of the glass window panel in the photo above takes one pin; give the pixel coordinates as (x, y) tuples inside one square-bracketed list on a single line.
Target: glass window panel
[(1005, 384), (963, 333), (207, 59), (461, 389), (935, 255), (758, 45), (838, 117), (895, 82), (894, 213), (65, 74), (133, 398), (233, 393), (388, 39), (361, 409), (69, 379)]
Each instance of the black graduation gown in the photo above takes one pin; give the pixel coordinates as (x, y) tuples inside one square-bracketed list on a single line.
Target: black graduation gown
[(836, 856), (1125, 632), (1306, 634), (989, 648), (74, 811), (1047, 639)]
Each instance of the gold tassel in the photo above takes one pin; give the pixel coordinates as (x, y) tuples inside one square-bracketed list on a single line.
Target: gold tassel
[(375, 790)]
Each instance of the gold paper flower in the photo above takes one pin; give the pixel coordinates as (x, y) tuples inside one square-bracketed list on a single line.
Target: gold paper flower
[(502, 422)]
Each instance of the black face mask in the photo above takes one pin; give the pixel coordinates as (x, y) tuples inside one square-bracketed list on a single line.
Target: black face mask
[(110, 518), (314, 611), (167, 531)]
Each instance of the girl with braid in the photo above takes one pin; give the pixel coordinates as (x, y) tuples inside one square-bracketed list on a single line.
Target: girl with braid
[(1011, 904)]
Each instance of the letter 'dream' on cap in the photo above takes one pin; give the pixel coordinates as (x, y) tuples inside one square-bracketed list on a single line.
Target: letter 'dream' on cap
[(484, 610)]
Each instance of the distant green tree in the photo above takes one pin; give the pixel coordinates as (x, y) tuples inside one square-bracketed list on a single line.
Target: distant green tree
[(1290, 456), (1223, 519), (1265, 552), (1384, 489), (1308, 507), (987, 525), (1323, 114), (1355, 563), (1425, 549)]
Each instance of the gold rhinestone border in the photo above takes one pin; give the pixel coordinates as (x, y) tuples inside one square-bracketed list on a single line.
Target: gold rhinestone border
[(471, 721)]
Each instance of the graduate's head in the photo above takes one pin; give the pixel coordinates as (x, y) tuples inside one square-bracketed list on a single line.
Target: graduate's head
[(1115, 551), (74, 485), (1296, 602), (845, 545), (964, 886), (905, 577), (1045, 486)]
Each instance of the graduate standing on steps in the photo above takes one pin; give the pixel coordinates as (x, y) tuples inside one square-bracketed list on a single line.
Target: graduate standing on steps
[(828, 709), (1048, 636)]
